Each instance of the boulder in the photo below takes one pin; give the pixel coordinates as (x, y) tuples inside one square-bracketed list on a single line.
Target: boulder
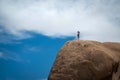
[(86, 60)]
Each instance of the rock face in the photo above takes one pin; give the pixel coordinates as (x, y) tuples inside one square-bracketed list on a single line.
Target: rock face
[(86, 60)]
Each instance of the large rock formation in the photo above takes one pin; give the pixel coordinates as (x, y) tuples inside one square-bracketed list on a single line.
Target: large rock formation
[(86, 60)]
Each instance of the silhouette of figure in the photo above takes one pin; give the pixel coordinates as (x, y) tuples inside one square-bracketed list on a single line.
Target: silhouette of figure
[(78, 34)]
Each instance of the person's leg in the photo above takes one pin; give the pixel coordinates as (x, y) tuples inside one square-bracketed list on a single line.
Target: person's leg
[(78, 37)]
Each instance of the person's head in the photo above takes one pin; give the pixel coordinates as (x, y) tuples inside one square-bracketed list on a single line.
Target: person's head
[(78, 31)]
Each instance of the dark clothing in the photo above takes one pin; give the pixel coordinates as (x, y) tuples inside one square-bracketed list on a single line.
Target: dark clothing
[(78, 35)]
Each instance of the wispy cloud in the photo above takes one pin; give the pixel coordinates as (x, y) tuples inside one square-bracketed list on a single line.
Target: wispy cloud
[(96, 19), (1, 55), (43, 79), (7, 55), (34, 49), (31, 49), (8, 38)]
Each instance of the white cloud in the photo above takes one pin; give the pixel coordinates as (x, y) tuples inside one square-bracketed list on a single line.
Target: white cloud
[(1, 54), (43, 79), (7, 55), (96, 19), (34, 49)]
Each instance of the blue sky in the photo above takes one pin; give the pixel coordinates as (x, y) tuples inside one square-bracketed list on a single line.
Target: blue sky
[(29, 59), (33, 31)]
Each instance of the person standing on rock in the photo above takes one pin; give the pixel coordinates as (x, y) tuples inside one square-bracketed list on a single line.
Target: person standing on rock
[(78, 34)]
